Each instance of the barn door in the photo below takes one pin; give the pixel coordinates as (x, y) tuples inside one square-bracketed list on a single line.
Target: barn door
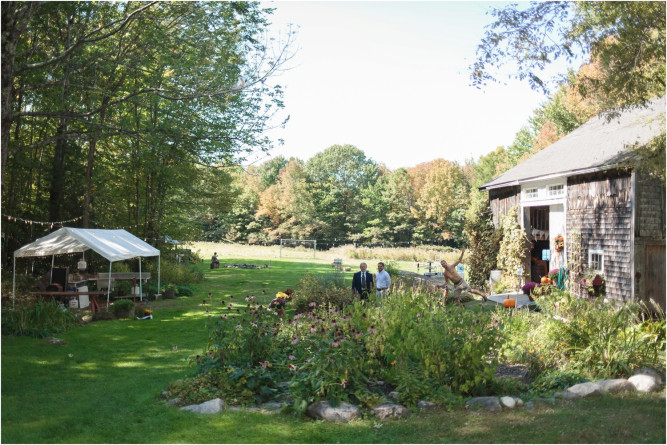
[(655, 274)]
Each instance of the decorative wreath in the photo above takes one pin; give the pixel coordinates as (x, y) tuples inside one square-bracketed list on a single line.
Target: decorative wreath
[(559, 243)]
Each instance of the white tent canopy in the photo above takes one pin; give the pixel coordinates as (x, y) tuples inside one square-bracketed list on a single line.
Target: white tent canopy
[(114, 245)]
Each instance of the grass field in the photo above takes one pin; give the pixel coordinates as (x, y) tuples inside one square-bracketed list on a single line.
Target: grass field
[(104, 387)]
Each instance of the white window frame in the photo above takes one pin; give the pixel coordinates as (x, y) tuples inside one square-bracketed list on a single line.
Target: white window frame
[(531, 193), (556, 190), (599, 252)]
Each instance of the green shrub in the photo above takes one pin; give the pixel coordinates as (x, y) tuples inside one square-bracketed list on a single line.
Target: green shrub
[(323, 289), (483, 239), (593, 338), (39, 319), (184, 290), (428, 343), (122, 305), (512, 248), (174, 272)]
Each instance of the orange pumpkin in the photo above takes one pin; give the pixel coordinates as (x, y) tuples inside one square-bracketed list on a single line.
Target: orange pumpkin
[(546, 280), (509, 302)]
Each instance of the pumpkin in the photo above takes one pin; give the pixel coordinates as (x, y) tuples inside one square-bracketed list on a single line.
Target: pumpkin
[(545, 280), (509, 302)]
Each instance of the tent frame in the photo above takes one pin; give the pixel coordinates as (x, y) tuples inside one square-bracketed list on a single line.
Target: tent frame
[(88, 247)]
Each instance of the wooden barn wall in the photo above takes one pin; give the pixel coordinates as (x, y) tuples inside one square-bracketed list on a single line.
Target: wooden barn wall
[(649, 239), (502, 200), (599, 206)]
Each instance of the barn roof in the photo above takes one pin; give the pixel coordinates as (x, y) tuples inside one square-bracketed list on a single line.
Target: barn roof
[(596, 145)]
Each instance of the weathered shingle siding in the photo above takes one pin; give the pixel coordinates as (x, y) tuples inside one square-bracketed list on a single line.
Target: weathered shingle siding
[(650, 207), (502, 200), (599, 206), (649, 236)]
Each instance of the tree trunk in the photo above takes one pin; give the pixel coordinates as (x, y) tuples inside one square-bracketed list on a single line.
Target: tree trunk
[(15, 19)]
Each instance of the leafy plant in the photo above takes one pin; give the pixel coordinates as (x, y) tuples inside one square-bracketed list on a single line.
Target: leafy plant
[(556, 380), (121, 306), (512, 247), (39, 319), (324, 289)]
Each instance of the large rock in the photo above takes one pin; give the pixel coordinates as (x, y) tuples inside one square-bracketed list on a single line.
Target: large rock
[(649, 371), (645, 382), (174, 402), (425, 405), (616, 385), (344, 412), (488, 403), (391, 410), (211, 407), (585, 389), (508, 402)]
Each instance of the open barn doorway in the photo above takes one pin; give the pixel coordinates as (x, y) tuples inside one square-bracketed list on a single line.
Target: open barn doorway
[(538, 233)]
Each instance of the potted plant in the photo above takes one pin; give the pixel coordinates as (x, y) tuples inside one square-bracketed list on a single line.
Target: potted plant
[(169, 291), (143, 313), (122, 308)]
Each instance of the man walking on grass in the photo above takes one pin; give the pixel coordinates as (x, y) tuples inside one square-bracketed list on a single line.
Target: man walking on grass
[(459, 285), (382, 281)]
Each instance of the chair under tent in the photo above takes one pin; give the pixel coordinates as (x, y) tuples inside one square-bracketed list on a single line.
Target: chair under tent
[(113, 245)]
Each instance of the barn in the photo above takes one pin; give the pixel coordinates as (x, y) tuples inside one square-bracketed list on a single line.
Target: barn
[(611, 217)]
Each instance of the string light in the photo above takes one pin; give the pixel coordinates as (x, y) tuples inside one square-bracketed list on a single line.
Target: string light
[(41, 223)]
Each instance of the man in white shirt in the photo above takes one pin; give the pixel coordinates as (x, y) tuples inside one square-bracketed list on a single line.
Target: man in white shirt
[(382, 281)]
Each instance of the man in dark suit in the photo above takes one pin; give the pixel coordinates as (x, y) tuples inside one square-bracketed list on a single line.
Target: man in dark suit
[(362, 282)]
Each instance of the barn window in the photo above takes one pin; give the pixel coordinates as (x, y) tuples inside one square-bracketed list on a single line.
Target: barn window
[(530, 193), (556, 190), (596, 260)]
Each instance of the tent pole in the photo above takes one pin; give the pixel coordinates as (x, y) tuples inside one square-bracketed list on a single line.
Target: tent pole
[(14, 284), (109, 287), (140, 289)]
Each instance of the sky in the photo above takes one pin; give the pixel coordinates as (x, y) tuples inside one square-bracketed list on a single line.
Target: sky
[(392, 79)]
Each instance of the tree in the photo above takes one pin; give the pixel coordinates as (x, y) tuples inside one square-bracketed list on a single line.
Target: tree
[(627, 39), (443, 191), (126, 101), (338, 175)]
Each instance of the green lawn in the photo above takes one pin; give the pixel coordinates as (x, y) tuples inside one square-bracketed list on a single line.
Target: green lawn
[(104, 387)]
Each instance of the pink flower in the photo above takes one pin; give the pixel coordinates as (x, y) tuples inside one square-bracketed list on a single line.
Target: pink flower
[(335, 344), (357, 335), (371, 330), (291, 357), (312, 304), (296, 340), (263, 364), (344, 383), (313, 330)]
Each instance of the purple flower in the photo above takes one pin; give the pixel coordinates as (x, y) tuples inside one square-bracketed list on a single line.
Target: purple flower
[(528, 287), (296, 340), (291, 357)]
